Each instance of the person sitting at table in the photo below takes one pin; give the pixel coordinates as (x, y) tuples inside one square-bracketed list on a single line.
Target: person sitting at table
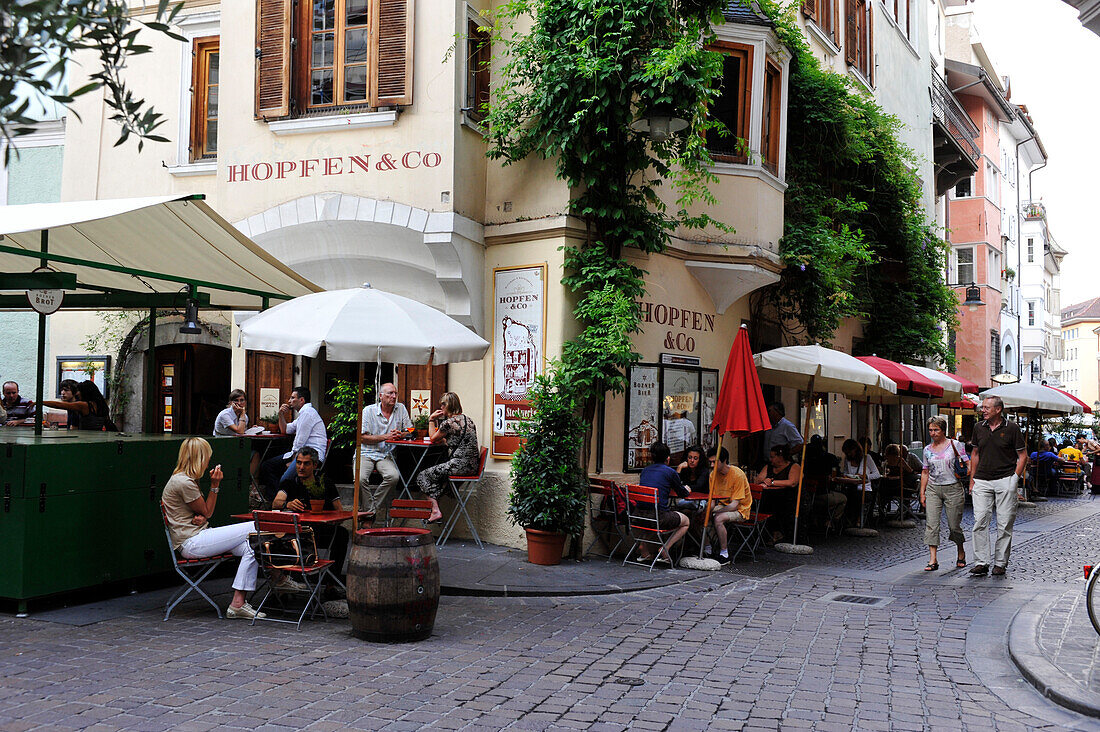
[(822, 467), (1045, 462), (386, 420), (69, 390), (1071, 457), (895, 467), (660, 475), (308, 490), (90, 406), (731, 484), (781, 476), (189, 513), (233, 421), (855, 465), (694, 471), (309, 431), (16, 407), (448, 424)]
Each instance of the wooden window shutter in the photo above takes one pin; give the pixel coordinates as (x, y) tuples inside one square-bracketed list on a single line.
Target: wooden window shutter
[(392, 36), (851, 33), (809, 9), (869, 48), (273, 33)]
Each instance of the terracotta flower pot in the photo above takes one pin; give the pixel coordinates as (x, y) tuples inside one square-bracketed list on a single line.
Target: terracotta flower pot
[(544, 547)]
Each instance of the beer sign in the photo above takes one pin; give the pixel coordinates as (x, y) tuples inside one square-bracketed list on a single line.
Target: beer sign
[(519, 343)]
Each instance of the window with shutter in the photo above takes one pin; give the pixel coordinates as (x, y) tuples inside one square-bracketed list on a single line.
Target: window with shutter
[(204, 99), (859, 37), (393, 77), (478, 58), (733, 106), (851, 33), (769, 123), (823, 13), (273, 32), (809, 9)]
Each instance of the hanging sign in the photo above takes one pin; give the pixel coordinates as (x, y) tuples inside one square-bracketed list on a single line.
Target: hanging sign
[(45, 302), (519, 342)]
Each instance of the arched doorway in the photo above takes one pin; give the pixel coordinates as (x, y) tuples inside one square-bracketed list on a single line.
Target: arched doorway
[(193, 380)]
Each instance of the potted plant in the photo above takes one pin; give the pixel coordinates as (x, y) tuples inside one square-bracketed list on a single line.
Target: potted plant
[(270, 422), (420, 424), (549, 488)]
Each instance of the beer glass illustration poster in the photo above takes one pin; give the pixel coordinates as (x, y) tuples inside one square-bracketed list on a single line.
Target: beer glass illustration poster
[(519, 342), (642, 425)]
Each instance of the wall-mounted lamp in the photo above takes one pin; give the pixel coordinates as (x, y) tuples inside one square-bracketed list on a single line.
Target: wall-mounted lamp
[(973, 298), (660, 123)]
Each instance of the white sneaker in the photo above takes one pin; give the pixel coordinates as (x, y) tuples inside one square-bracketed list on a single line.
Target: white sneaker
[(286, 584), (244, 612)]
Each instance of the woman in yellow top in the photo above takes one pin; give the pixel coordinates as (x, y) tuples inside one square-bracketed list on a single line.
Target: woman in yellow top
[(732, 499)]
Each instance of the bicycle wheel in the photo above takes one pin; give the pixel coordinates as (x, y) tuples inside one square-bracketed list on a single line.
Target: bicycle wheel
[(1092, 597)]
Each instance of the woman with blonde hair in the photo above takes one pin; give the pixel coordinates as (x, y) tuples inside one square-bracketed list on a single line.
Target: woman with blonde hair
[(940, 490), (448, 424), (189, 513)]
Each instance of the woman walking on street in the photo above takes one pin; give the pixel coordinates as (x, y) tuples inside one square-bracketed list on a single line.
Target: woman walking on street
[(941, 489)]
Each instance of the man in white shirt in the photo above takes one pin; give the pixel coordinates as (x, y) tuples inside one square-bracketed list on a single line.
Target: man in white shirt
[(309, 431), (382, 421)]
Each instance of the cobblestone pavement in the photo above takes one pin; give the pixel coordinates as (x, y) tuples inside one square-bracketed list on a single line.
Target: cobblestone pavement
[(761, 653), (1067, 639)]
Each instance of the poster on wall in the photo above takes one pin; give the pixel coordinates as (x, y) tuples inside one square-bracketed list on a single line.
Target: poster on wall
[(710, 404), (269, 405), (643, 402), (519, 343), (420, 402)]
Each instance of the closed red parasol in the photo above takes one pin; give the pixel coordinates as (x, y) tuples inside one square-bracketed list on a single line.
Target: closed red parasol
[(910, 382), (968, 386), (741, 409)]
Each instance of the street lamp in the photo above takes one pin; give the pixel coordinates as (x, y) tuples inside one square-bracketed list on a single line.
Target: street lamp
[(973, 297), (660, 123)]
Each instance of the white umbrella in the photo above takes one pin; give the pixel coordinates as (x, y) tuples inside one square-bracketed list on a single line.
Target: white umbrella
[(815, 368), (362, 324), (1022, 395)]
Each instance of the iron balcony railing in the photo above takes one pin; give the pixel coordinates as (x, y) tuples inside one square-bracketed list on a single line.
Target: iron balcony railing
[(948, 112)]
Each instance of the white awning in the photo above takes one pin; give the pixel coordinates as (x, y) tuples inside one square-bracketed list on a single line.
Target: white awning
[(163, 242)]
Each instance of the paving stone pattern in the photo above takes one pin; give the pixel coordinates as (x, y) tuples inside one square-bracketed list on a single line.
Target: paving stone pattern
[(1067, 639)]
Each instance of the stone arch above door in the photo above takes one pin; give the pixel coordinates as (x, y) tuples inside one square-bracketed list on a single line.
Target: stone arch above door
[(341, 240)]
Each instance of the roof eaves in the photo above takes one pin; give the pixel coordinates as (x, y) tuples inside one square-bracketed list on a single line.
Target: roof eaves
[(746, 12)]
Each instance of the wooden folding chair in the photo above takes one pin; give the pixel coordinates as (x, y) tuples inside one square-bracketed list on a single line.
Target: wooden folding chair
[(644, 523), (603, 517), (464, 488), (312, 575), (193, 571)]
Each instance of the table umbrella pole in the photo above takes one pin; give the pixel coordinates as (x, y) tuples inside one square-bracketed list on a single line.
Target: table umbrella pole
[(358, 452), (794, 547)]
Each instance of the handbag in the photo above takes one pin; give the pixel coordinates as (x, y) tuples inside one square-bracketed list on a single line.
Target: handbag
[(962, 470), (284, 551)]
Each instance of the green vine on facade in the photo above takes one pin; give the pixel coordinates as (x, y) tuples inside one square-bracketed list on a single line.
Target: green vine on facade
[(857, 242)]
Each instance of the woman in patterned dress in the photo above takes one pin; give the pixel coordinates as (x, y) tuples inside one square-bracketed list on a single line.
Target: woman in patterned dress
[(449, 424)]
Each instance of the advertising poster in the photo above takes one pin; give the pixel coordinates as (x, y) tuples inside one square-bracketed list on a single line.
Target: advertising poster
[(642, 426), (269, 405), (519, 341)]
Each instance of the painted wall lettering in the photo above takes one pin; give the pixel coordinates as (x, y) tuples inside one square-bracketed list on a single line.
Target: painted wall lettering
[(339, 165)]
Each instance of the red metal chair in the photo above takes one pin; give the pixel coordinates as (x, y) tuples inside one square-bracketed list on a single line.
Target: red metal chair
[(404, 509), (645, 528), (193, 571), (464, 488), (603, 517), (750, 530), (312, 575)]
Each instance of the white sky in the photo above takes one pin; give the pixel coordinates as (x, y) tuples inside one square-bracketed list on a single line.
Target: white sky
[(1054, 67)]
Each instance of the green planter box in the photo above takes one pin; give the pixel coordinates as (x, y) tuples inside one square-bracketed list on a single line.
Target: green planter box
[(83, 509)]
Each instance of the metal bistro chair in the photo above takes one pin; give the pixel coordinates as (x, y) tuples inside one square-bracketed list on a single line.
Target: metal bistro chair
[(404, 509), (193, 571), (1070, 481), (464, 488), (751, 531), (642, 516), (313, 574), (603, 517)]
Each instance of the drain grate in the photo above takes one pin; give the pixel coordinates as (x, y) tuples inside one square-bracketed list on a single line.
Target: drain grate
[(861, 600)]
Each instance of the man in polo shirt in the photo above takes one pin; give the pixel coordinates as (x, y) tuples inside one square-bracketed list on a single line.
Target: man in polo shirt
[(383, 421), (17, 408), (997, 464)]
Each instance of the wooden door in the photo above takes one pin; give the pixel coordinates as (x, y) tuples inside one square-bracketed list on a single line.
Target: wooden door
[(415, 378), (265, 370)]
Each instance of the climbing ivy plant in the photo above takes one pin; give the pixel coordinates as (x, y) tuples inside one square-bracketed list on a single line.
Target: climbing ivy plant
[(576, 74), (856, 240)]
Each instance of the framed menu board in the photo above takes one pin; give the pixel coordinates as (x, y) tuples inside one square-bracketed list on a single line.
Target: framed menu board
[(519, 346), (674, 404)]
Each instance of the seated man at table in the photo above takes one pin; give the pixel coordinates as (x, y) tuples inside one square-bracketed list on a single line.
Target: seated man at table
[(383, 421), (308, 430), (729, 486), (666, 480), (307, 490), (17, 408)]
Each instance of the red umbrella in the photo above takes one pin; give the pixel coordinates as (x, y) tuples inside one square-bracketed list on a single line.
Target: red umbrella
[(741, 409), (968, 386), (1086, 407), (910, 383)]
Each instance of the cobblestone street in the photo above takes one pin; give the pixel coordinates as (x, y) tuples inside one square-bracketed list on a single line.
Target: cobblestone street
[(762, 651)]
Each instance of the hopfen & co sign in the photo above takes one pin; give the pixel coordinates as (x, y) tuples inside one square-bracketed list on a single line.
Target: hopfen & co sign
[(371, 163)]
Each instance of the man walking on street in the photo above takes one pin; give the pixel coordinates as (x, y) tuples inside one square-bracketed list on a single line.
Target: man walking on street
[(997, 464)]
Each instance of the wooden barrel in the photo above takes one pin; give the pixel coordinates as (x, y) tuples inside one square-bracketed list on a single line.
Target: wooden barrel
[(393, 584)]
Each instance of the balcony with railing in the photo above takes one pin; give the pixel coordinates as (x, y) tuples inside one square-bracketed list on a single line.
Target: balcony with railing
[(1035, 210), (954, 137)]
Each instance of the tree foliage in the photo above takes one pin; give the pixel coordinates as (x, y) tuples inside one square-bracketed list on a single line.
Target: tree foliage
[(38, 42), (856, 240)]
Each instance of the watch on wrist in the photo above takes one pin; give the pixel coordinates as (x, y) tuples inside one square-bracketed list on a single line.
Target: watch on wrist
[(214, 489)]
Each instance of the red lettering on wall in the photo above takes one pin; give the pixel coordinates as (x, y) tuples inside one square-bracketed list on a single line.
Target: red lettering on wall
[(432, 159), (405, 159), (284, 167), (332, 166), (241, 170), (307, 166), (358, 162), (256, 168)]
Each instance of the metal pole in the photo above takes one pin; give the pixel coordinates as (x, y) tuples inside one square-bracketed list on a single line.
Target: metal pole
[(802, 469), (151, 376), (40, 368), (358, 455)]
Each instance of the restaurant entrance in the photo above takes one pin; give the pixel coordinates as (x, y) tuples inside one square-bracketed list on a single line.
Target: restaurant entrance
[(192, 383)]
